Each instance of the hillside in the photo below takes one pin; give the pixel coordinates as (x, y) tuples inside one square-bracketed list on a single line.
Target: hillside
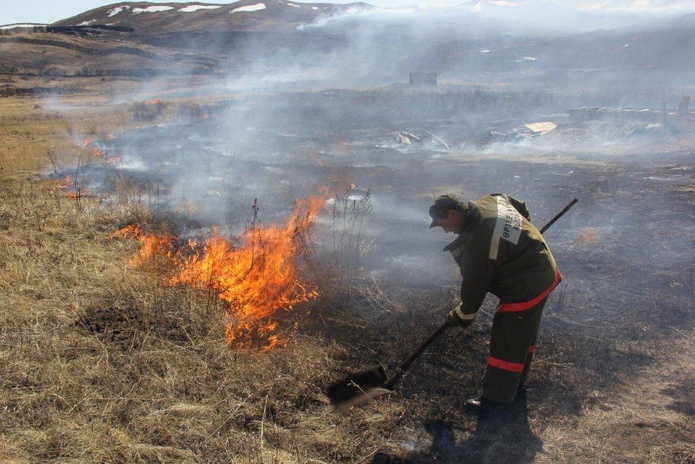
[(343, 45), (147, 18)]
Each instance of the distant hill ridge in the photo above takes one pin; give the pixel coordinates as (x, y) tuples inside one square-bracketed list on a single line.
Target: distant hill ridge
[(244, 15), (353, 42)]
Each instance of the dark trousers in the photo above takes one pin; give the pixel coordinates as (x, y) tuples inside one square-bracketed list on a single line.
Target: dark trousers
[(512, 344)]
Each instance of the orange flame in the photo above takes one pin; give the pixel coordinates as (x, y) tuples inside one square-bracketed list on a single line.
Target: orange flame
[(257, 277), (116, 159), (67, 182), (187, 206), (72, 188), (153, 245), (66, 185)]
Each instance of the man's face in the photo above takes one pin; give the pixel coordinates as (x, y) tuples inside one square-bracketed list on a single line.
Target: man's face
[(452, 222)]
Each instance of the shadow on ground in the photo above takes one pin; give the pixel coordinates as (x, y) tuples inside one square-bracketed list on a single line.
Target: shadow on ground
[(501, 436)]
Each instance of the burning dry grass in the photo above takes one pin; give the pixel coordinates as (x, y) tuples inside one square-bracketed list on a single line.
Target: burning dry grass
[(100, 362), (256, 274)]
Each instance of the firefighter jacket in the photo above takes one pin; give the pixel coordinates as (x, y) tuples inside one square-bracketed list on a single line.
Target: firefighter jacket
[(501, 252)]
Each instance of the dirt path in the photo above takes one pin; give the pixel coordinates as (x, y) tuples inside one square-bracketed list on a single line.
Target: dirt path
[(652, 422)]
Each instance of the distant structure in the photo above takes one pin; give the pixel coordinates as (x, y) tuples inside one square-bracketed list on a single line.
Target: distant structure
[(683, 107), (423, 79)]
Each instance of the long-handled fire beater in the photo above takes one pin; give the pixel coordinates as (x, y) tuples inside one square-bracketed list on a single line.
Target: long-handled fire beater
[(362, 387)]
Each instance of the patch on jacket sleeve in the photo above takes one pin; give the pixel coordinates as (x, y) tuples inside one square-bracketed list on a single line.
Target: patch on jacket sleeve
[(457, 252), (507, 226), (457, 247)]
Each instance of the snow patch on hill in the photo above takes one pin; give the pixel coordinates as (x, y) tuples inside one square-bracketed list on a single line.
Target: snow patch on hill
[(249, 8), (193, 8), (117, 10), (8, 27), (152, 9)]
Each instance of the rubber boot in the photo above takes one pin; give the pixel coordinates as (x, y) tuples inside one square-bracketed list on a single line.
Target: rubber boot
[(481, 404)]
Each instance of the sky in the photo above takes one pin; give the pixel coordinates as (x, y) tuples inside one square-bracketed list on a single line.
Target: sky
[(49, 11)]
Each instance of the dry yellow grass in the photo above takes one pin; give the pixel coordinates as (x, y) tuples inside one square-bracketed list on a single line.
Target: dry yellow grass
[(38, 135), (641, 424)]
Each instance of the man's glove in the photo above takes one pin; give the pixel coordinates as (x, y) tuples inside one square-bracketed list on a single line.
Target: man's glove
[(456, 317)]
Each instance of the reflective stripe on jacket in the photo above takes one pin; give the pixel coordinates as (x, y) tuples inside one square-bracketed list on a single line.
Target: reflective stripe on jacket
[(501, 252)]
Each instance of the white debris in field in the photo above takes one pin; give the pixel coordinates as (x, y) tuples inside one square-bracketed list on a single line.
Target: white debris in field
[(406, 138), (249, 8), (541, 128)]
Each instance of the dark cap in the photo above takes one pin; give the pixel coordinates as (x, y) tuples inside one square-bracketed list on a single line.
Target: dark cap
[(440, 209)]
